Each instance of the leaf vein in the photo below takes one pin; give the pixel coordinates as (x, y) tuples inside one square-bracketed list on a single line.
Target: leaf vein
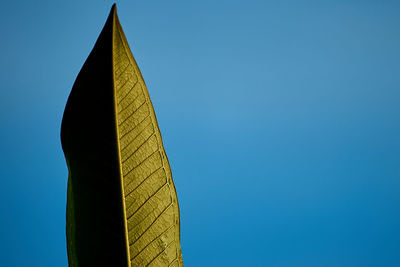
[(147, 200), (162, 212), (152, 241), (130, 90), (147, 177), (131, 170), (141, 131), (127, 118), (170, 243), (141, 145)]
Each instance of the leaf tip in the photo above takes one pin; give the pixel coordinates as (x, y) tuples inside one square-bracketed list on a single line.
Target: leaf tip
[(114, 8)]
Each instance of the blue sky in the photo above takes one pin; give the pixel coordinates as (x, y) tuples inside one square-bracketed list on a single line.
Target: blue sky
[(280, 120)]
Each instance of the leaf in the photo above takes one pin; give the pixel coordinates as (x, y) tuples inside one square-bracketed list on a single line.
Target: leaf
[(122, 208)]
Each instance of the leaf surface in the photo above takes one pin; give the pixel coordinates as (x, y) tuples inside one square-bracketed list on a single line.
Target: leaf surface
[(122, 208)]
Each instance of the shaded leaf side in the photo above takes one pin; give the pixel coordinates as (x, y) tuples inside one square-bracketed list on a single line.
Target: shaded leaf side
[(95, 221)]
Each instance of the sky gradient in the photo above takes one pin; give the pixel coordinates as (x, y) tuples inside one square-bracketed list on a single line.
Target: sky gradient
[(280, 120)]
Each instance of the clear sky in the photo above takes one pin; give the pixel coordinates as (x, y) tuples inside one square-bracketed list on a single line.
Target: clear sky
[(280, 120)]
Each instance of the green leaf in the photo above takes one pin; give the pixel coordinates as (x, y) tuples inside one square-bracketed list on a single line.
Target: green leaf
[(122, 208)]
